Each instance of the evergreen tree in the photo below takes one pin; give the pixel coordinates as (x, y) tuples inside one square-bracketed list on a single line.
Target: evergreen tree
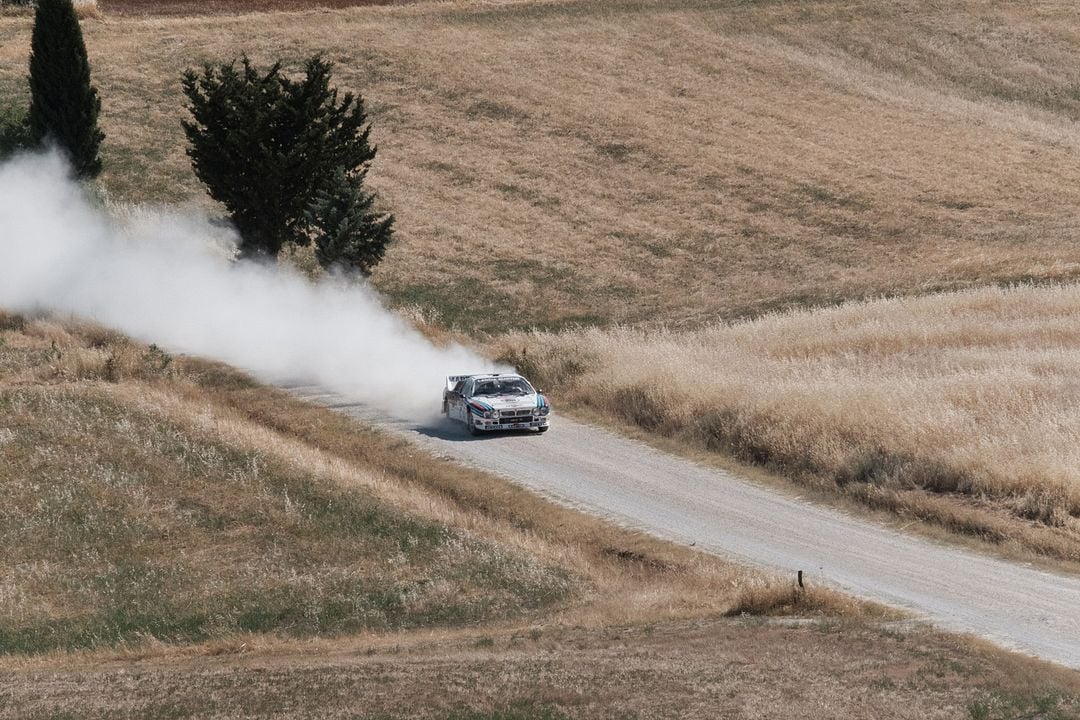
[(64, 106), (283, 156), (349, 234)]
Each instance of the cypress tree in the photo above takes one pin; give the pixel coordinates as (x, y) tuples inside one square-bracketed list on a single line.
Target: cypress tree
[(64, 106)]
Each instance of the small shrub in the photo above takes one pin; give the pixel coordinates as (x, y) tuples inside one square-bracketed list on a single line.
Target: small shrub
[(110, 373), (10, 321), (99, 336), (1046, 506), (779, 598), (544, 369), (213, 375), (14, 132), (731, 431), (157, 359)]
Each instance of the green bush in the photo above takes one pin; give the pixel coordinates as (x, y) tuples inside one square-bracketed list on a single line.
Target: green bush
[(14, 132)]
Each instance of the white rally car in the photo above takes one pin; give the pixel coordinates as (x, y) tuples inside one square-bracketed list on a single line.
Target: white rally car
[(499, 401)]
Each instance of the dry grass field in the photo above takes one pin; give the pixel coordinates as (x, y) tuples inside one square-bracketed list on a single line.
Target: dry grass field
[(649, 170), (167, 8), (175, 500), (959, 409), (702, 669), (638, 161), (181, 542)]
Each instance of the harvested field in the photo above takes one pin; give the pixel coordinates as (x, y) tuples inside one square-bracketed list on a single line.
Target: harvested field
[(655, 163), (650, 165)]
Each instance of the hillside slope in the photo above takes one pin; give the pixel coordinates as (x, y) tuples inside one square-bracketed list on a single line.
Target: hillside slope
[(139, 506), (180, 542), (646, 162)]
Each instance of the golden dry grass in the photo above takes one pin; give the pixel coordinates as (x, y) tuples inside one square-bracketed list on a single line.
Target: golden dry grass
[(634, 162), (701, 669), (956, 408), (143, 492), (171, 500), (155, 8), (646, 162)]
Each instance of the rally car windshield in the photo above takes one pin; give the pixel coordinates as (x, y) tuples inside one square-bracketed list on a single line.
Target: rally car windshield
[(508, 386)]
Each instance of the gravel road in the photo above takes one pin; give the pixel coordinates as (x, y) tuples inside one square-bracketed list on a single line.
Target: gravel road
[(636, 486)]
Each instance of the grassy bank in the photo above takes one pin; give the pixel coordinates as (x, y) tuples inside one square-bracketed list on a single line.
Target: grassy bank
[(175, 501), (704, 669), (958, 409), (192, 544), (130, 515)]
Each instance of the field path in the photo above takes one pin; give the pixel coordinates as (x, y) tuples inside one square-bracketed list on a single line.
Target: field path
[(636, 486)]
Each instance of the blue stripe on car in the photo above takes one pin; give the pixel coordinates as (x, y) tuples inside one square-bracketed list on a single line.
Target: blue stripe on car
[(477, 406)]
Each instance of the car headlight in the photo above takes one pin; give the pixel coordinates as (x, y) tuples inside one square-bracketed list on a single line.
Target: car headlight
[(487, 414), (545, 410)]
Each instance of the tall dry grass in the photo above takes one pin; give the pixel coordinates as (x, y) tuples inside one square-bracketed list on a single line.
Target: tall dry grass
[(958, 408), (635, 161)]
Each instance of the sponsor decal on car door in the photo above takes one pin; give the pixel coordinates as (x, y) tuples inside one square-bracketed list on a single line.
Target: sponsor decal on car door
[(461, 410)]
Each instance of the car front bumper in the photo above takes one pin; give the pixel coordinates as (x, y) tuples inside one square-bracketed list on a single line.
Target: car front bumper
[(482, 424)]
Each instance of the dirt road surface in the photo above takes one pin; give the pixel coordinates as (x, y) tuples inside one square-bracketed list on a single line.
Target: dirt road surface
[(1012, 604)]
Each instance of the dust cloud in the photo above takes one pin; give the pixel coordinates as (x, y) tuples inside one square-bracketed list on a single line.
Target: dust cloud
[(162, 278)]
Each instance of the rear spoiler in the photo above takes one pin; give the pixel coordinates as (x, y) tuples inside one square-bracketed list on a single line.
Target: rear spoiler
[(452, 380)]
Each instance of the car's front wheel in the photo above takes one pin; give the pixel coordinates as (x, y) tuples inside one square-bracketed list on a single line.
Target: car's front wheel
[(470, 424), (543, 429)]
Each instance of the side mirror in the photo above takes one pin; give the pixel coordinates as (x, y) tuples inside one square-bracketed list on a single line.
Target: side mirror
[(539, 391)]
